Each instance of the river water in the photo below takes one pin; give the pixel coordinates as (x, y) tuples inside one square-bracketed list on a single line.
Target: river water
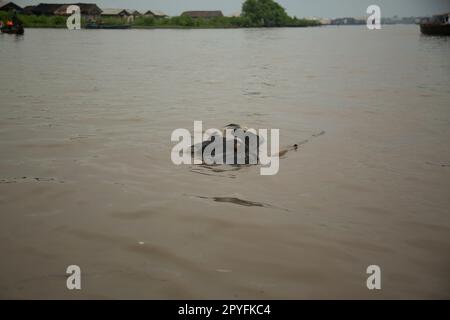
[(86, 177)]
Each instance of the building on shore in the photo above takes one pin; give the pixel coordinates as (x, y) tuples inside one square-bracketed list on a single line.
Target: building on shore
[(320, 20), (28, 10), (203, 14), (10, 6), (324, 21), (348, 21), (404, 20), (134, 13), (155, 14), (116, 13), (88, 11), (46, 9)]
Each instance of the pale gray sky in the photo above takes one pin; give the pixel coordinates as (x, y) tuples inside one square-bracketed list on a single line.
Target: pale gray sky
[(299, 8)]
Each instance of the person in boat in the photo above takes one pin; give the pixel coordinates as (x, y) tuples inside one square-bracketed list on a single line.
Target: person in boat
[(13, 25)]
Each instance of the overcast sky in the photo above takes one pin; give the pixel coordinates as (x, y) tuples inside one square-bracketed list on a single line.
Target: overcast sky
[(299, 8)]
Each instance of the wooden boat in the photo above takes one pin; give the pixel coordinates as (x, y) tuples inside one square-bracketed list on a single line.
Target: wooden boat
[(435, 29), (439, 25), (19, 30), (107, 26)]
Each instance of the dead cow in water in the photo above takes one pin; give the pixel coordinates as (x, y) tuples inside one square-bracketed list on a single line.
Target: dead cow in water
[(240, 146)]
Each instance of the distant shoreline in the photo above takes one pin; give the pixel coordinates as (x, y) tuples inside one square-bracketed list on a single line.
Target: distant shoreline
[(173, 27), (55, 21)]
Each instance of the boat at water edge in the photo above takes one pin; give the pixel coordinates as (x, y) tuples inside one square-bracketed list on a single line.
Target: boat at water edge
[(438, 25), (19, 30)]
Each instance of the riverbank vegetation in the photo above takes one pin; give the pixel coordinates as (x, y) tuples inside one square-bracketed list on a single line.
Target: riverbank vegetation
[(218, 22), (30, 21)]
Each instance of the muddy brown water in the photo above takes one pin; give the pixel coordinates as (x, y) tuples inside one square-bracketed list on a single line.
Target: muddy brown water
[(86, 177)]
